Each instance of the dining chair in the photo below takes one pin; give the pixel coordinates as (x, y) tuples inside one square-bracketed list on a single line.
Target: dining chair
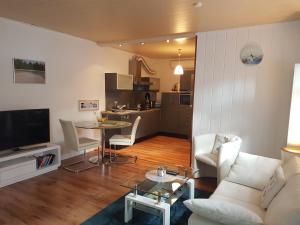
[(123, 140), (72, 141)]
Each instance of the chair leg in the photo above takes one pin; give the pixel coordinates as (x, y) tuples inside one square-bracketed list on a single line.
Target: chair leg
[(67, 167), (116, 156)]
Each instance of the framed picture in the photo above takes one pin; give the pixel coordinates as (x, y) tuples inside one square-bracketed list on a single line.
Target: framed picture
[(29, 71), (251, 54), (88, 105)]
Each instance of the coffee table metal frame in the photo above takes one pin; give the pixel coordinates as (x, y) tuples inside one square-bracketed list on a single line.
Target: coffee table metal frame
[(163, 207)]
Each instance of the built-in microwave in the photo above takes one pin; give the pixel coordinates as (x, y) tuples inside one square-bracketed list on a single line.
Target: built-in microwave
[(185, 99)]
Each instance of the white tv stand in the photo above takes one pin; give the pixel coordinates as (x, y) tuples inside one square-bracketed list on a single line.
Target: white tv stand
[(20, 165)]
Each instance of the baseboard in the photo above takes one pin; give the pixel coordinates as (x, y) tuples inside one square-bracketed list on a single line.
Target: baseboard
[(182, 136)]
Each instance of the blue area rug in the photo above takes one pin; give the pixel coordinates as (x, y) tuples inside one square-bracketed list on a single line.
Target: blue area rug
[(114, 213)]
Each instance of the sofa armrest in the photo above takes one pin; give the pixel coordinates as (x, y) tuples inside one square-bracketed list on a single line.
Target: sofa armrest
[(227, 156)]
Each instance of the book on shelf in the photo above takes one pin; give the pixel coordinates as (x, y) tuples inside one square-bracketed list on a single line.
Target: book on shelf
[(45, 160)]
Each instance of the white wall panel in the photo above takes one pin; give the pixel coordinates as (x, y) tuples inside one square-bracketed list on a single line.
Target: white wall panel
[(250, 101)]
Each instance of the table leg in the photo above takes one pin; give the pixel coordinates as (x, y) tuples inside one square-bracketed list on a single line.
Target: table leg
[(191, 187), (128, 210), (166, 215), (103, 144)]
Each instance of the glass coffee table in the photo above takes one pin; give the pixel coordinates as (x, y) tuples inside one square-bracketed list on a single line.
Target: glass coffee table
[(156, 191)]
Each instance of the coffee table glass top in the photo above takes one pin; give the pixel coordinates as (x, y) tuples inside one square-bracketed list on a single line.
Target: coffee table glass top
[(167, 188)]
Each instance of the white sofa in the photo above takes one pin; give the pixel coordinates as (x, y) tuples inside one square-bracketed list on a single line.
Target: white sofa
[(207, 164), (243, 186)]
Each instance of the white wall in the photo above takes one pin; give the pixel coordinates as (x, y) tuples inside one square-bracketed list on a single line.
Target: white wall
[(74, 70), (250, 101)]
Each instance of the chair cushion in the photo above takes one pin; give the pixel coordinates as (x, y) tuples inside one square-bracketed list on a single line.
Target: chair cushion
[(223, 212), (252, 170), (88, 143), (120, 140), (219, 140), (208, 158), (274, 185)]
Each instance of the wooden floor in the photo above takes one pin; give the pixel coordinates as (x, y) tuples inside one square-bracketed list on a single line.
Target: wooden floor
[(61, 197)]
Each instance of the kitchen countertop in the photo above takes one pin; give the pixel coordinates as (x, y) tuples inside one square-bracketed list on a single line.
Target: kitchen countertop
[(128, 112)]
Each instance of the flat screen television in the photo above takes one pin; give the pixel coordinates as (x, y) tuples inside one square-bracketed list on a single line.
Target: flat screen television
[(21, 128)]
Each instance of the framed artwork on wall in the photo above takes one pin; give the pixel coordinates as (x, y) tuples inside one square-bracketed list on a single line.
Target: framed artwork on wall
[(29, 71), (88, 105), (251, 54)]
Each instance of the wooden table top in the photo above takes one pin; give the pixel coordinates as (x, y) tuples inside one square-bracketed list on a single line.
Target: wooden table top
[(293, 150)]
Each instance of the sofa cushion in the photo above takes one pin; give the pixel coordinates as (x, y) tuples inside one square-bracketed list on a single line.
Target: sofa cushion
[(241, 195), (208, 158), (291, 167), (196, 220), (223, 212), (238, 192), (285, 208), (252, 170), (274, 185)]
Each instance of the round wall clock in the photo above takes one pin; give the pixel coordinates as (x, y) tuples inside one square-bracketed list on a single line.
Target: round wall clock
[(251, 54)]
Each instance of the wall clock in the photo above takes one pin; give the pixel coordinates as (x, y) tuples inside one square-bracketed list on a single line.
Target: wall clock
[(251, 54)]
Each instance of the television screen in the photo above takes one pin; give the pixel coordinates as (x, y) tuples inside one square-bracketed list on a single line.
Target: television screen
[(20, 128)]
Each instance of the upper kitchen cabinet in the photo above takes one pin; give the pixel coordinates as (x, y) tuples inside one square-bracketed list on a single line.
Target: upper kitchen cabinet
[(116, 81), (187, 80), (153, 83)]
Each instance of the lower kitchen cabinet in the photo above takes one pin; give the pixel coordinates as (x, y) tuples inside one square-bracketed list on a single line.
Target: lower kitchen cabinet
[(149, 124)]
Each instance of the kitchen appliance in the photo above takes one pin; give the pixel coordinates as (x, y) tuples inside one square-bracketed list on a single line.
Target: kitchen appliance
[(185, 98), (147, 101)]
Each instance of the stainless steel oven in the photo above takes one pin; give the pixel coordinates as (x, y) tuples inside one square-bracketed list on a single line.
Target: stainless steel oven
[(185, 98)]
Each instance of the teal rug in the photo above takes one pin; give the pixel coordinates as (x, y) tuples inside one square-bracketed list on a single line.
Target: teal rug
[(114, 213)]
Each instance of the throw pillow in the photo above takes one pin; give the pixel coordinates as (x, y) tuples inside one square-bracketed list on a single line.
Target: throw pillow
[(223, 212), (274, 185), (219, 140)]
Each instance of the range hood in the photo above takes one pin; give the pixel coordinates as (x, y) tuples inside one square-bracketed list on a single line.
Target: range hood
[(136, 63)]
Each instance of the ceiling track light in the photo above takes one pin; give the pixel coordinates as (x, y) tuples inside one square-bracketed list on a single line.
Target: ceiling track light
[(197, 4)]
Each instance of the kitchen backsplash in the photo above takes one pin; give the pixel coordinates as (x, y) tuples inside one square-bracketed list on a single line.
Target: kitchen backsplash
[(127, 97)]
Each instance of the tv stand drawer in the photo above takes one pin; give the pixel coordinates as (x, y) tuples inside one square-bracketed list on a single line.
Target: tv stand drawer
[(17, 168)]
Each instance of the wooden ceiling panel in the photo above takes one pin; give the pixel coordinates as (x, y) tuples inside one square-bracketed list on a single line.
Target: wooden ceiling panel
[(106, 21)]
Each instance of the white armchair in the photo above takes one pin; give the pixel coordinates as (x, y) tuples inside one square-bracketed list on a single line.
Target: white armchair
[(207, 164)]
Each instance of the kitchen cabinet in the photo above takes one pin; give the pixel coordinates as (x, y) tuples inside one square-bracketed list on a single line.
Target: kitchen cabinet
[(187, 80), (116, 81), (175, 118), (149, 124), (170, 113), (153, 83)]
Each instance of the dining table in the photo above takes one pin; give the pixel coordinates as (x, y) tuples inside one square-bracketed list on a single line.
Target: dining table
[(102, 126)]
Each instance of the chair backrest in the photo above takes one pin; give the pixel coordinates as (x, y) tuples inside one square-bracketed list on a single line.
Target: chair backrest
[(70, 134), (134, 128)]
